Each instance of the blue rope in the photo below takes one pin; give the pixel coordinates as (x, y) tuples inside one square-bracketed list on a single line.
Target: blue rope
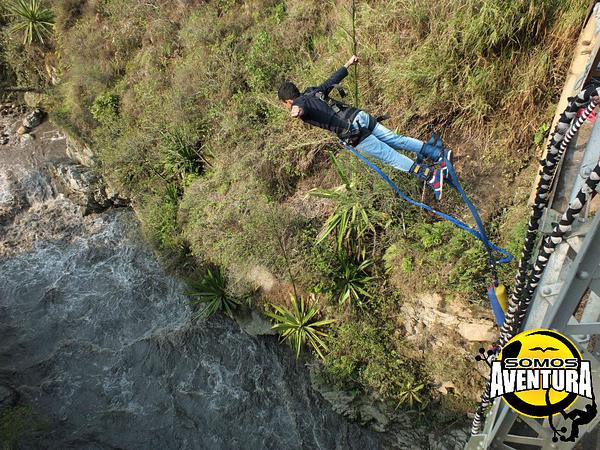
[(481, 234)]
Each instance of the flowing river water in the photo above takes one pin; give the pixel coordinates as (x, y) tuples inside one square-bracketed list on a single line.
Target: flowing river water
[(99, 340)]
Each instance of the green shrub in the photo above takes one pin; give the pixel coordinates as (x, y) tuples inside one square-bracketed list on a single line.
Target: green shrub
[(351, 278), (24, 63), (540, 135), (362, 355), (183, 156), (406, 264), (439, 256), (105, 108), (7, 76), (262, 63), (516, 235), (514, 230), (159, 219)]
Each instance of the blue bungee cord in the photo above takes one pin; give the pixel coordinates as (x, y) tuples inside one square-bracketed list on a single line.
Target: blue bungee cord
[(479, 234)]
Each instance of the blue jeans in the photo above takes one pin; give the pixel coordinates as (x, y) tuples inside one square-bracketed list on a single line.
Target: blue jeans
[(383, 143)]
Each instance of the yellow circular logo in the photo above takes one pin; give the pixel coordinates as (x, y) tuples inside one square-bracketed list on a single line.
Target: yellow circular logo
[(539, 372)]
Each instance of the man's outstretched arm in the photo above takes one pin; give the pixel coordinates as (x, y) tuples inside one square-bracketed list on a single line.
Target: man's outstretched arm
[(337, 76)]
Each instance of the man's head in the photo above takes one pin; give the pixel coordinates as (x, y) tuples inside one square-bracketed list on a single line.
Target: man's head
[(287, 93)]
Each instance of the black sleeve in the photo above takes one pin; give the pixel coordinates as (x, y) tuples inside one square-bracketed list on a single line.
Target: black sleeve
[(300, 101), (336, 78)]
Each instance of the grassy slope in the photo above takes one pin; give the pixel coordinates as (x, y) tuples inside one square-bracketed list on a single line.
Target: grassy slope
[(179, 100)]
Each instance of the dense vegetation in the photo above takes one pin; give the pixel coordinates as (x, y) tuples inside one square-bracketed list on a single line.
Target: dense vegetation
[(178, 100)]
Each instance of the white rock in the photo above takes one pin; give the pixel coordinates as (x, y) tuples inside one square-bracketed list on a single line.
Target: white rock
[(478, 332)]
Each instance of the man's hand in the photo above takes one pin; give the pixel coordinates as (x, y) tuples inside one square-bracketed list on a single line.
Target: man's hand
[(296, 111), (353, 60)]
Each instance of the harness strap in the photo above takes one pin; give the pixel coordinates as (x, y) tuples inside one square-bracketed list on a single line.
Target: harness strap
[(355, 136)]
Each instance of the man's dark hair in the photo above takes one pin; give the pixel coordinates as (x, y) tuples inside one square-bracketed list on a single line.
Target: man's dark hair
[(288, 91)]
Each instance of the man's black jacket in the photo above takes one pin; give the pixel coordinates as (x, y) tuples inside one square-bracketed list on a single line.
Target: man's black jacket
[(316, 111)]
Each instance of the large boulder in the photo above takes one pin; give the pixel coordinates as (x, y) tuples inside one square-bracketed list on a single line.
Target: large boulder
[(34, 118), (83, 186)]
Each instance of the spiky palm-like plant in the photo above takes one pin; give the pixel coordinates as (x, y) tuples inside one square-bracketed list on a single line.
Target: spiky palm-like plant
[(183, 156), (352, 223), (211, 290), (351, 279), (32, 19), (410, 394), (300, 325)]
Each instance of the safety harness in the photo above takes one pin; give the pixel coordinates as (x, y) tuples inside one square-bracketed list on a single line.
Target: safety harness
[(352, 136)]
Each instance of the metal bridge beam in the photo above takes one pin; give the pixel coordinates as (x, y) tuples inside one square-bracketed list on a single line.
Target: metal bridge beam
[(578, 292), (568, 296)]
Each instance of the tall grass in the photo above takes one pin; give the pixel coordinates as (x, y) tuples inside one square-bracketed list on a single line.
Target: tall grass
[(468, 57)]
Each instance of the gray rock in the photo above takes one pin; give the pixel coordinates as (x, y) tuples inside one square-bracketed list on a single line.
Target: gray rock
[(27, 138), (370, 413), (12, 197), (368, 410), (114, 196), (84, 187), (341, 401), (253, 323), (34, 118), (454, 439), (80, 152)]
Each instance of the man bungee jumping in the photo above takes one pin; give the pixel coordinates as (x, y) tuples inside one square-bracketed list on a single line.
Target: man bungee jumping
[(362, 131)]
